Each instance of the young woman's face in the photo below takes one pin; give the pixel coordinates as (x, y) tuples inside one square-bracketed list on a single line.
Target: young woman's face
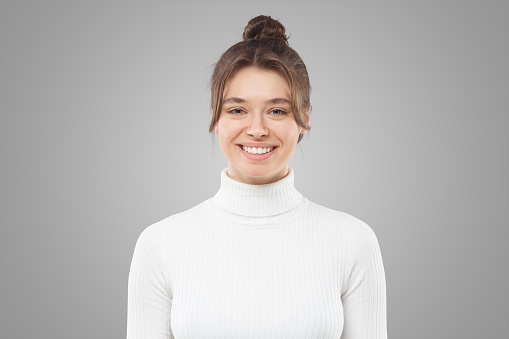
[(257, 113)]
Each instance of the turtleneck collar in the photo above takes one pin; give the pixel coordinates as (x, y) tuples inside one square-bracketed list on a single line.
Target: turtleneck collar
[(257, 200)]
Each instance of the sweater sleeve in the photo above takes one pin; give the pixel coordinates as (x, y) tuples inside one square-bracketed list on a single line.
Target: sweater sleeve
[(364, 299), (149, 298)]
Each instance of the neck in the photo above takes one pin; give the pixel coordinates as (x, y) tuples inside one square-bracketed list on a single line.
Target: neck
[(239, 175), (257, 200)]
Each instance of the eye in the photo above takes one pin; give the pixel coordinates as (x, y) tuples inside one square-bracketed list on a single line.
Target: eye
[(278, 112), (236, 111)]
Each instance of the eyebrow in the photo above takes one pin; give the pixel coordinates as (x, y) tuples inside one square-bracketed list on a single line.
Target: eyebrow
[(271, 101)]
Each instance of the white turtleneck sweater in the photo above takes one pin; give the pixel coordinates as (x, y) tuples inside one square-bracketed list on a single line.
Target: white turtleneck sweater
[(257, 261)]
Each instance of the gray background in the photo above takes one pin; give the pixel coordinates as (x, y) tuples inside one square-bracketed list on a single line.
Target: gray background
[(104, 131)]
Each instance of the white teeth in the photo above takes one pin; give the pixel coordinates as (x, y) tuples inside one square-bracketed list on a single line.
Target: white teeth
[(259, 150)]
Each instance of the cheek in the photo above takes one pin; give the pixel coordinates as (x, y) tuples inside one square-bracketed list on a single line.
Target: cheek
[(289, 134), (228, 128), (223, 125), (226, 132)]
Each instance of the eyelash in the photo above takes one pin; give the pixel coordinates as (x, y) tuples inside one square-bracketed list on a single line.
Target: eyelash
[(235, 109)]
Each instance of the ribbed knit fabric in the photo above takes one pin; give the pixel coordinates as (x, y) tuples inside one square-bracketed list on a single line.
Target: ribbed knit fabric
[(257, 261)]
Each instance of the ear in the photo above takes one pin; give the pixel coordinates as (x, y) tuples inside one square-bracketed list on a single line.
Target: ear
[(306, 120), (216, 129)]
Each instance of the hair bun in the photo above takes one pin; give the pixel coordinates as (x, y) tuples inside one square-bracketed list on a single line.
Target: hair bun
[(264, 27)]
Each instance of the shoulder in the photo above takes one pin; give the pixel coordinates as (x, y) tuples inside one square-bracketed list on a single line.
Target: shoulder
[(344, 219), (353, 229), (163, 229), (359, 228), (315, 210), (363, 243), (358, 243)]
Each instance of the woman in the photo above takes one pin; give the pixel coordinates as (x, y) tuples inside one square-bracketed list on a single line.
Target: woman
[(258, 260)]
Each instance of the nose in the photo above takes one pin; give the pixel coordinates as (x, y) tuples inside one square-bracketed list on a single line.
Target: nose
[(257, 128)]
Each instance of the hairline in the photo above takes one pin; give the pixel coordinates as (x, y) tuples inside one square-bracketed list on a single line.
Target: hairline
[(243, 101)]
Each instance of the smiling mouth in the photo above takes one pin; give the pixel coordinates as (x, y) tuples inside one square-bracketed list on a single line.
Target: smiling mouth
[(257, 150)]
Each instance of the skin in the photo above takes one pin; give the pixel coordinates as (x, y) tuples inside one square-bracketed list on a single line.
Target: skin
[(253, 116)]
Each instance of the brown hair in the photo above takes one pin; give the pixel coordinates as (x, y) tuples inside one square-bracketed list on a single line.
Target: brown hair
[(265, 46)]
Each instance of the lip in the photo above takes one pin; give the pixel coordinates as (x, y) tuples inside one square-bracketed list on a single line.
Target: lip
[(256, 145), (257, 157)]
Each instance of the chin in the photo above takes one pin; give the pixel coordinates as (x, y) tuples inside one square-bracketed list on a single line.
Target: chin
[(257, 171)]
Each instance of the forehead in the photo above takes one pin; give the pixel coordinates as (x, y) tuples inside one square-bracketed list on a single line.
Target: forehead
[(251, 83)]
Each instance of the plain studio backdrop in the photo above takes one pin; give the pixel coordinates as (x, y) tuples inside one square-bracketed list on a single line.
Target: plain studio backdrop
[(104, 131)]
